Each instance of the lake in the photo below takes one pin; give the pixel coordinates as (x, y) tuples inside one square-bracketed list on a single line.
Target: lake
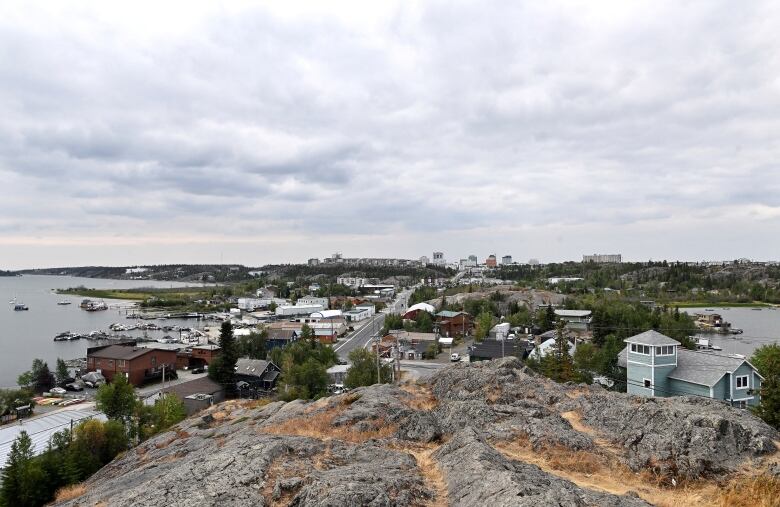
[(760, 327), (26, 335)]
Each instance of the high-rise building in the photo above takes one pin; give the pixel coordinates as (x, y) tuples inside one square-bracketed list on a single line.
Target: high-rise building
[(424, 260), (438, 259), (507, 259), (603, 258), (314, 261), (491, 261), (533, 262)]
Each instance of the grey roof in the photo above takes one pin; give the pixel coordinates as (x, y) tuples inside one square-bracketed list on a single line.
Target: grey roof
[(251, 367), (126, 352), (202, 385), (702, 368), (651, 338), (492, 349)]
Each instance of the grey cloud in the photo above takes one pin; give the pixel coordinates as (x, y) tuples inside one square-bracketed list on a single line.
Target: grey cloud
[(442, 119)]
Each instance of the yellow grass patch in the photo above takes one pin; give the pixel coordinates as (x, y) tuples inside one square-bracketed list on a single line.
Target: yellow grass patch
[(320, 426), (600, 471), (422, 397), (70, 492), (756, 491), (434, 478)]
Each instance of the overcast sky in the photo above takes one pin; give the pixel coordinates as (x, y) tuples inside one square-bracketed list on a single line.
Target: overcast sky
[(162, 132)]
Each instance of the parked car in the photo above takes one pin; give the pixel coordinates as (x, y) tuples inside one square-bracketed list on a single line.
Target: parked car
[(73, 387), (455, 357), (58, 391), (199, 369)]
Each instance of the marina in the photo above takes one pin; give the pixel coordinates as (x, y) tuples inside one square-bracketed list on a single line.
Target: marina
[(26, 335)]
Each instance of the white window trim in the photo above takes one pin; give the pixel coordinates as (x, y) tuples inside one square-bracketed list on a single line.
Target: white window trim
[(747, 382), (637, 345)]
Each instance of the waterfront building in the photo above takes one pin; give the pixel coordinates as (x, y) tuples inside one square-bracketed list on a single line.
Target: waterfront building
[(657, 365)]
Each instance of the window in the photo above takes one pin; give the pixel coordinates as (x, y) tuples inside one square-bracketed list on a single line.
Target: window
[(742, 382), (640, 349), (120, 363), (110, 363), (742, 404), (665, 350), (647, 383), (154, 360)]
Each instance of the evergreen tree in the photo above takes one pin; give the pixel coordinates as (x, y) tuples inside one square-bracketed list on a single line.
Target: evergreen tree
[(44, 380), (23, 477), (62, 372), (223, 369), (558, 364), (767, 360)]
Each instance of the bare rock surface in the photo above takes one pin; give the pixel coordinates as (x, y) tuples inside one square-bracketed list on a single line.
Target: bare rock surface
[(480, 475), (427, 444)]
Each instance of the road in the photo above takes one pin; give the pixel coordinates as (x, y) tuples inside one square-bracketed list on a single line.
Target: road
[(361, 337), (416, 370)]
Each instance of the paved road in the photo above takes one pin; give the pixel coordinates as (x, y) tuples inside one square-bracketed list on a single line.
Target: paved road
[(415, 370), (361, 337)]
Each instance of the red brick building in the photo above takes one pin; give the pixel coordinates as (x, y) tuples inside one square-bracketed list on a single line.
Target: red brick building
[(137, 363), (197, 356)]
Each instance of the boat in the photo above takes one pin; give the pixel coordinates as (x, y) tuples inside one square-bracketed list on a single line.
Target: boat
[(716, 347), (709, 310), (20, 307), (62, 303), (756, 309)]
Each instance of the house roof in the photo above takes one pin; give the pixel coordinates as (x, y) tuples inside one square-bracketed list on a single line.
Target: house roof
[(696, 367), (281, 334), (421, 306), (124, 352), (449, 315), (703, 368), (651, 337), (207, 347), (251, 367), (203, 385), (572, 313), (326, 314), (492, 349)]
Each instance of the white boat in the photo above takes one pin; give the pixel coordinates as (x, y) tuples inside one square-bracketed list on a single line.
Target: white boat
[(20, 307), (63, 302), (716, 347)]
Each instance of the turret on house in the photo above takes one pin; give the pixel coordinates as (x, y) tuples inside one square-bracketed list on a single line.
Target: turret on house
[(657, 365)]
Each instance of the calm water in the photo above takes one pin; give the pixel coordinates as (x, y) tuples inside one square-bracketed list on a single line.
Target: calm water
[(760, 327), (27, 335)]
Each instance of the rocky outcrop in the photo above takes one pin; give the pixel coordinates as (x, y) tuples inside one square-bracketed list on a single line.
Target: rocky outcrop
[(480, 475), (442, 443)]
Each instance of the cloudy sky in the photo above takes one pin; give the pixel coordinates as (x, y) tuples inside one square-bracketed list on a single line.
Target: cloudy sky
[(164, 132)]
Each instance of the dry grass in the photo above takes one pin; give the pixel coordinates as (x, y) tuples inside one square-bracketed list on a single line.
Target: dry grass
[(432, 474), (252, 404), (422, 397), (282, 468), (600, 471), (320, 426), (756, 491), (575, 419), (70, 492)]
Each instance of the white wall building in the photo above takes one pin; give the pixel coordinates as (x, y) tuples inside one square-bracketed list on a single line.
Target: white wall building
[(351, 281), (313, 300), (292, 310), (603, 258), (507, 259)]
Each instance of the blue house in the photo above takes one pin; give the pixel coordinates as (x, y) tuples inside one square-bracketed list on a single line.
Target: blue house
[(657, 365)]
